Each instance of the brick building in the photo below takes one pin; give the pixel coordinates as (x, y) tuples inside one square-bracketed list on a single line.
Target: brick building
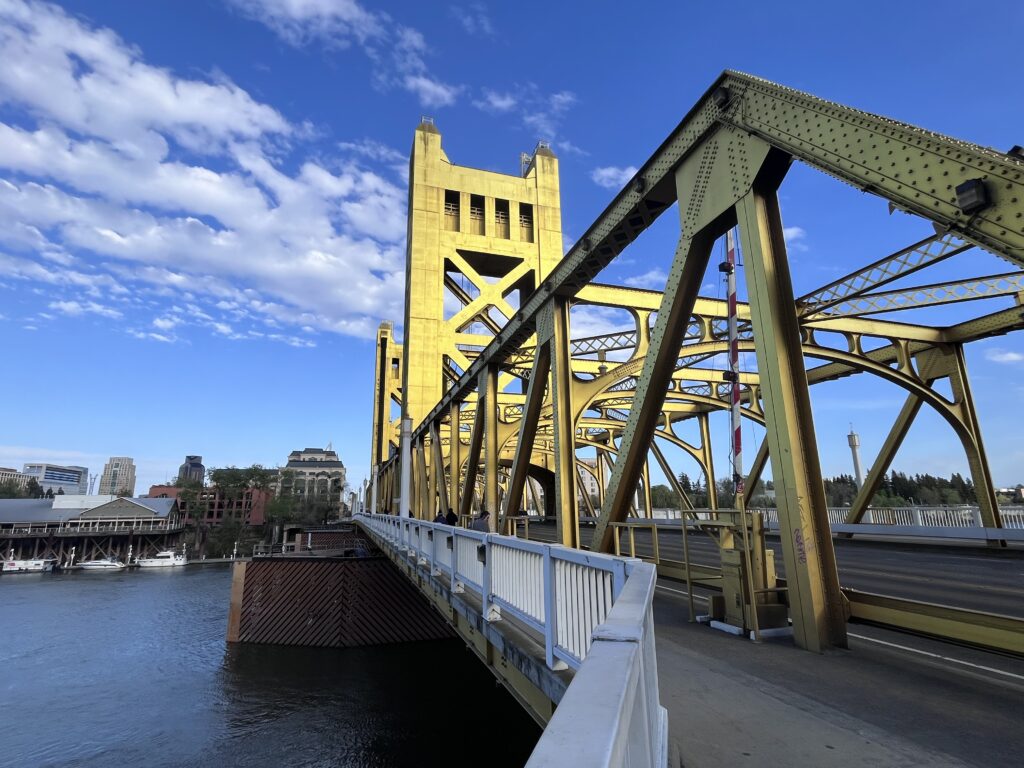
[(250, 508)]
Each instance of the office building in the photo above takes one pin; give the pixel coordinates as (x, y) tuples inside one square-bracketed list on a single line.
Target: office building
[(118, 478), (54, 477), (192, 471)]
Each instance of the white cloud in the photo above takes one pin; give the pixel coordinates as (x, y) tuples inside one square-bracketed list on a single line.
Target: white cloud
[(1003, 356), (166, 323), (473, 18), (611, 176), (431, 93), (398, 52), (373, 150), (334, 22), (794, 237), (541, 113), (654, 278), (492, 101), (75, 308), (143, 184)]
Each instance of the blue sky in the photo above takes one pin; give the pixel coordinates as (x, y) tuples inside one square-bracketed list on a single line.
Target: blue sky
[(202, 204)]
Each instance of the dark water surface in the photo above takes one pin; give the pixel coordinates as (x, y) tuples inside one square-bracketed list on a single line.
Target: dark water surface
[(101, 669)]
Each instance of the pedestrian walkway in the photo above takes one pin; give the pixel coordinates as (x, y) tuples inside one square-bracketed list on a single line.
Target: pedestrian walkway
[(732, 702)]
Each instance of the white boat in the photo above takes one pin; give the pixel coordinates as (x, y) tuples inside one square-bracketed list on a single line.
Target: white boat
[(35, 565), (166, 559), (109, 564)]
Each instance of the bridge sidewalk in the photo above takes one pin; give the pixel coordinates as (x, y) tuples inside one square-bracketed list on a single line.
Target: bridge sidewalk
[(734, 703)]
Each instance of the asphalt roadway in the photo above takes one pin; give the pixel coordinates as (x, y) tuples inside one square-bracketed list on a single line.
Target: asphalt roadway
[(975, 577), (891, 700)]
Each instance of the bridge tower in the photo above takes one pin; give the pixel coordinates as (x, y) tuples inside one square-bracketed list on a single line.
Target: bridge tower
[(478, 243)]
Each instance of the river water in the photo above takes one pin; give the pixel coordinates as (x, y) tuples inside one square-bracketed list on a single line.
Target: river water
[(131, 668)]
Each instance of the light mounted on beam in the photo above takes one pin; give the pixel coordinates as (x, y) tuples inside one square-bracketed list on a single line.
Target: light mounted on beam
[(972, 196)]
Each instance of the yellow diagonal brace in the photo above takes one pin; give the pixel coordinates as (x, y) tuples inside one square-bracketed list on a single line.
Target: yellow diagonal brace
[(816, 604)]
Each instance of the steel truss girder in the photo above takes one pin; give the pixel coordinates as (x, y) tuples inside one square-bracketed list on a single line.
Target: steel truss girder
[(934, 294)]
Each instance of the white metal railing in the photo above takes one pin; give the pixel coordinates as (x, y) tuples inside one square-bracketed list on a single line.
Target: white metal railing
[(91, 525), (931, 517), (610, 714), (560, 593), (594, 613)]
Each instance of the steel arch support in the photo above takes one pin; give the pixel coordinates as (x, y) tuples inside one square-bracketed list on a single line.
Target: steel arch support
[(816, 603), (454, 456), (527, 429), (688, 269), (489, 405)]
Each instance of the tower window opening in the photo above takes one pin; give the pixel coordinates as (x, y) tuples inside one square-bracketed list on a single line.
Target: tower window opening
[(501, 227), (526, 222), (451, 210), (476, 214)]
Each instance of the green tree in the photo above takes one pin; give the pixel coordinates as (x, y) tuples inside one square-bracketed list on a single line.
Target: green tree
[(33, 489), (663, 497), (9, 489)]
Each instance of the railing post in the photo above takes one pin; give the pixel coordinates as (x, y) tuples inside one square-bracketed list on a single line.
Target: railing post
[(550, 621), (457, 586), (490, 611)]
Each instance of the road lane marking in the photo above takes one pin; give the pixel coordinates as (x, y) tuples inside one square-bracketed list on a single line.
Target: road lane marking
[(682, 592), (937, 656)]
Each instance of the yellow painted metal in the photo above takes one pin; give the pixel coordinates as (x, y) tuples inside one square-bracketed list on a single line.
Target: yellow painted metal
[(1001, 633), (454, 456), (817, 611), (528, 430), (489, 405), (459, 365), (563, 417)]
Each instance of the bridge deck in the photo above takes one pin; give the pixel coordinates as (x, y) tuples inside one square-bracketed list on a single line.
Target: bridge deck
[(891, 700), (885, 702)]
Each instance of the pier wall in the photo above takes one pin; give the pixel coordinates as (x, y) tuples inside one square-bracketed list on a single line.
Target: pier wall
[(328, 602)]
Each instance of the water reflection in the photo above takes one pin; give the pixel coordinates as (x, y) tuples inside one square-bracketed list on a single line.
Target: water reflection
[(132, 669)]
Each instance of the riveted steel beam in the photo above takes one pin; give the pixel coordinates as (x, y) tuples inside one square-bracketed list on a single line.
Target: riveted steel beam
[(816, 603)]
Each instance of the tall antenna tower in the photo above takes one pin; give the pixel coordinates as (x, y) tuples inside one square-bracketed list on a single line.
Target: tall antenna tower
[(854, 440), (92, 483)]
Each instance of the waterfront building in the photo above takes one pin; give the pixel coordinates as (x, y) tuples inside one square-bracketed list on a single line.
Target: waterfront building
[(90, 526), (192, 470), (313, 474), (118, 475), (213, 507), (9, 475), (55, 477)]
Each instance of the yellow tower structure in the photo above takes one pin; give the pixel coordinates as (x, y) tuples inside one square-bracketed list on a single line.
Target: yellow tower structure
[(478, 242)]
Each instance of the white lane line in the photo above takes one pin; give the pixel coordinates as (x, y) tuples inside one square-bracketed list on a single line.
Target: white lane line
[(680, 592), (937, 656)]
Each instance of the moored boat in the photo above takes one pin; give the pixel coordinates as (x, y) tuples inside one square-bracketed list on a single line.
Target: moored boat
[(108, 564), (31, 565), (166, 559)]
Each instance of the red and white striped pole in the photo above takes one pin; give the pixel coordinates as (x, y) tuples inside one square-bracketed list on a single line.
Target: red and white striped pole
[(734, 364)]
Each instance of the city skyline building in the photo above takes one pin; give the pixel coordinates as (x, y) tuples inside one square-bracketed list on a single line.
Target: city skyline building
[(192, 470), (11, 475), (71, 479), (313, 472), (118, 475)]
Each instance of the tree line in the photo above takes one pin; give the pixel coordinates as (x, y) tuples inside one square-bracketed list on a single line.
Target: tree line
[(897, 489)]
